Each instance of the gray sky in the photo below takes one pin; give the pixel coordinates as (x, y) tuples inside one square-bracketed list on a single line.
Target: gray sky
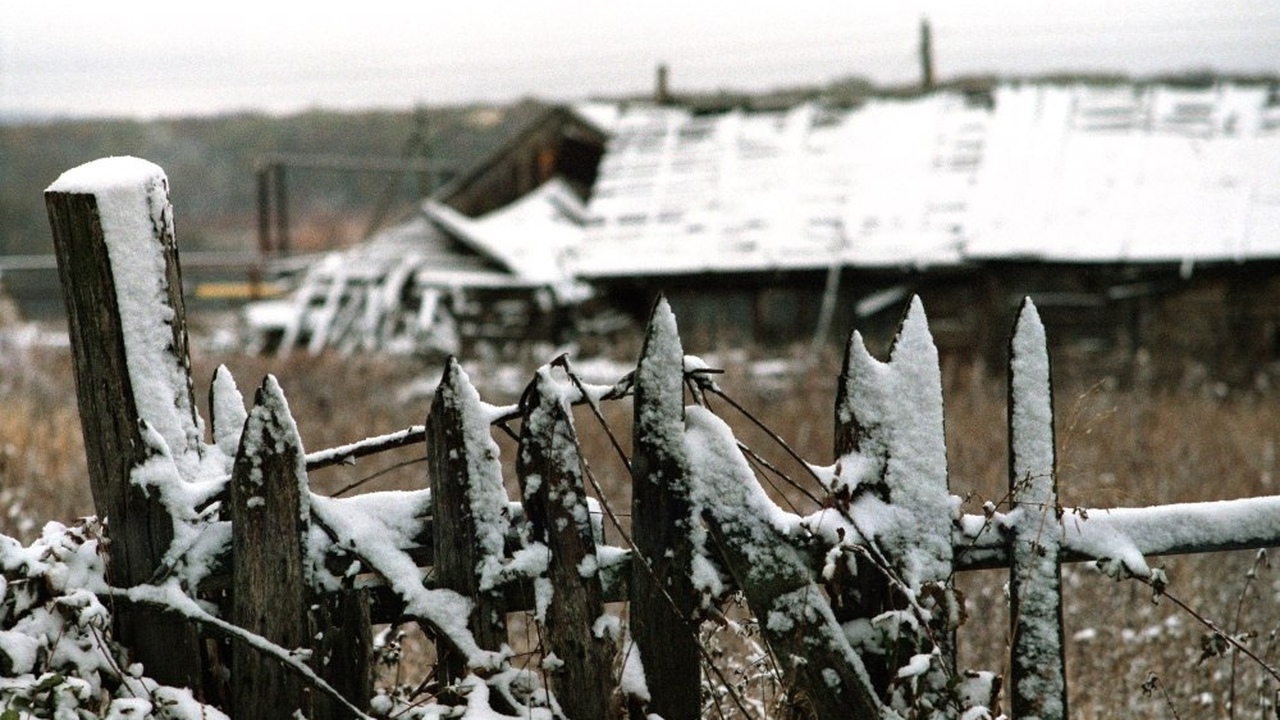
[(147, 59)]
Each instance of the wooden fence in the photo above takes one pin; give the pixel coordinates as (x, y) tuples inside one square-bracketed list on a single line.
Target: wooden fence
[(310, 575)]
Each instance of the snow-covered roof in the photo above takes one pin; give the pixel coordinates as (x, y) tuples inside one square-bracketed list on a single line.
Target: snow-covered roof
[(529, 237), (1060, 173)]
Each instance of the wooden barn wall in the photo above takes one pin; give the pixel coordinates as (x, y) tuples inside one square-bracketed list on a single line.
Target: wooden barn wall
[(1224, 316)]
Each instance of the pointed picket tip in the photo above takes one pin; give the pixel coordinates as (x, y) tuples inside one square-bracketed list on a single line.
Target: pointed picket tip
[(1030, 408), (659, 378), (227, 411), (662, 335), (271, 421), (913, 337), (453, 379), (1028, 330)]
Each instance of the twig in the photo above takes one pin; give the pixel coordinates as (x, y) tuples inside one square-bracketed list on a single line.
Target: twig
[(151, 596), (347, 454), (1159, 590), (1259, 558), (378, 474)]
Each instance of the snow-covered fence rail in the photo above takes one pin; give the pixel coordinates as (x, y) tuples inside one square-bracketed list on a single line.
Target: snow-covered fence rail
[(855, 601)]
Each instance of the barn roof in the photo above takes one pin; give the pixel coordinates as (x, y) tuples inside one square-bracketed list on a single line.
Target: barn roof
[(1053, 173)]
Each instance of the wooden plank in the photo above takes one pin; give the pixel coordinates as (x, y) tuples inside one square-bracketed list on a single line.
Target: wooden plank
[(270, 517), (821, 670), (109, 357), (555, 500), (889, 425), (469, 511), (1038, 665), (662, 596)]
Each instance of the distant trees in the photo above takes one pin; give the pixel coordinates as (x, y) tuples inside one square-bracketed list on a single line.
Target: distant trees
[(214, 158)]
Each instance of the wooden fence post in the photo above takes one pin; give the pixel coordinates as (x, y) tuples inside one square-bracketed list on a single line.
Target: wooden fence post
[(822, 672), (555, 500), (662, 598), (1038, 668), (112, 230), (469, 511), (889, 424), (270, 519)]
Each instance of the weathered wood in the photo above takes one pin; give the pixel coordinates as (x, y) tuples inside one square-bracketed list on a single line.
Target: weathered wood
[(889, 425), (1038, 668), (662, 597), (821, 670), (469, 511), (576, 630), (108, 352), (270, 517), (342, 636)]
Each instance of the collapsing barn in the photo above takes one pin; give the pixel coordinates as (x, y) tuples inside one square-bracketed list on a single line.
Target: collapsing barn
[(1136, 215), (439, 281), (479, 260)]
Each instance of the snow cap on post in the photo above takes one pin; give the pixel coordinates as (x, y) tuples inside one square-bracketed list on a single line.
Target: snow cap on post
[(132, 198), (892, 414)]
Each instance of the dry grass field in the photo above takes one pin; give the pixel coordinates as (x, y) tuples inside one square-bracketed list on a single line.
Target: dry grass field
[(1145, 443)]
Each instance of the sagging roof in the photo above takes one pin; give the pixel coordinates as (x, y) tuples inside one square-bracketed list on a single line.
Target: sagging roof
[(1051, 173)]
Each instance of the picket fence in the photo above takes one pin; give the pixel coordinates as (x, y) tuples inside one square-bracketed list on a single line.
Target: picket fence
[(290, 571)]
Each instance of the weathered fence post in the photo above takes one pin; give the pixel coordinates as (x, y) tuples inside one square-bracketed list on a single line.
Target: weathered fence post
[(577, 631), (270, 518), (662, 599), (890, 442), (469, 511), (1038, 681), (113, 235), (821, 671)]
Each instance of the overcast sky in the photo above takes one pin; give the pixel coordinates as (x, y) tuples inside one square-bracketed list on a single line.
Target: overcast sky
[(147, 59)]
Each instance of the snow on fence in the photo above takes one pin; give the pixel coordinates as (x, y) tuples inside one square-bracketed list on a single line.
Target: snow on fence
[(230, 577)]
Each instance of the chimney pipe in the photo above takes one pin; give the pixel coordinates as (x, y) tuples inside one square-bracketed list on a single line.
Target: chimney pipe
[(926, 56)]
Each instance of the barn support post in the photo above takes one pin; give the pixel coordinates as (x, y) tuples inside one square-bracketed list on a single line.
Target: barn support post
[(551, 482), (1038, 667), (112, 229), (469, 512), (662, 597)]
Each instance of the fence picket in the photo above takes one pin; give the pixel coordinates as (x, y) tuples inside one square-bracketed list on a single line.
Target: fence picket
[(469, 510), (662, 598), (1038, 667), (889, 423), (577, 631), (270, 517), (226, 411), (823, 674), (122, 378)]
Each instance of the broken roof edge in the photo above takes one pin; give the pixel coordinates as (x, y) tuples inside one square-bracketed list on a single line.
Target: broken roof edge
[(547, 113), (475, 233)]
